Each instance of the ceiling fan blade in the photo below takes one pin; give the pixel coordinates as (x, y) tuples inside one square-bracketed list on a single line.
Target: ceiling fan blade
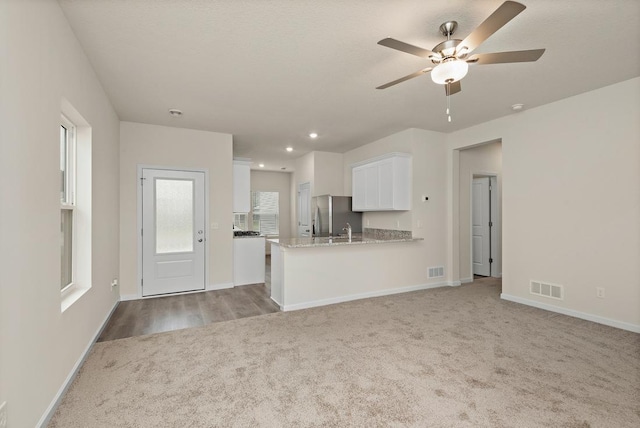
[(452, 88), (402, 79), (505, 13), (506, 57), (405, 47)]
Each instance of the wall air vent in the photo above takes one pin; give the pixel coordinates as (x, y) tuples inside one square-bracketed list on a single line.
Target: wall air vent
[(436, 272), (546, 289)]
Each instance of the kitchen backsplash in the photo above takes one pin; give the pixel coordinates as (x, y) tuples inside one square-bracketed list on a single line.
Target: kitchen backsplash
[(372, 233)]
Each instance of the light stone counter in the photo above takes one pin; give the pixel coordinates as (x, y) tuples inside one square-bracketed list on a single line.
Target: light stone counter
[(330, 242), (304, 273)]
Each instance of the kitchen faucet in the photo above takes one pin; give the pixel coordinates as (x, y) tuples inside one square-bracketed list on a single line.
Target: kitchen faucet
[(348, 230)]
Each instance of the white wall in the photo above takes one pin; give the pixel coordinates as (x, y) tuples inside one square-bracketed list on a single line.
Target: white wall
[(571, 200), (328, 175), (153, 145), (324, 172), (42, 62), (271, 181), (425, 219), (483, 159)]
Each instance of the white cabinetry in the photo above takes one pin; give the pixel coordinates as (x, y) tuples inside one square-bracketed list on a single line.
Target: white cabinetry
[(241, 186), (382, 183), (248, 260)]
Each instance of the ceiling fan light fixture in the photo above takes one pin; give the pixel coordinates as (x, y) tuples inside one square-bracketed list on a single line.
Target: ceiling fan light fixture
[(449, 71)]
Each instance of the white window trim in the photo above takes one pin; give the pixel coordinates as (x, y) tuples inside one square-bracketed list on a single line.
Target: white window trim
[(70, 198), (79, 199)]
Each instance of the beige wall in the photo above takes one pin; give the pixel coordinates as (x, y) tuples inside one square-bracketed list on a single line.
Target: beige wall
[(153, 145), (328, 175), (425, 219), (269, 181), (41, 63), (484, 159), (571, 200), (324, 172)]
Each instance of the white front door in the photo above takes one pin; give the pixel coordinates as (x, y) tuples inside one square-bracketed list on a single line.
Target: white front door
[(173, 231), (304, 207), (480, 234)]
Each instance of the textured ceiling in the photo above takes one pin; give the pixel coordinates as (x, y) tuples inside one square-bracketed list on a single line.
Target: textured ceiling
[(271, 71)]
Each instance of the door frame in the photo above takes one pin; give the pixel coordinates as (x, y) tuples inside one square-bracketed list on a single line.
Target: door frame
[(496, 229), (140, 167)]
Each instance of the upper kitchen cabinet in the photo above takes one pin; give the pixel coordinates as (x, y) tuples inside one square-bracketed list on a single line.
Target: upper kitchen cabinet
[(241, 185), (382, 183)]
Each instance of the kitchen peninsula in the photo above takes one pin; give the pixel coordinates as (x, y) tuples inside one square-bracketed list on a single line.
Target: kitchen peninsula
[(308, 272)]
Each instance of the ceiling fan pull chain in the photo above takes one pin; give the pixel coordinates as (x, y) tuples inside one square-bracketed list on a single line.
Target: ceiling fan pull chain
[(448, 101)]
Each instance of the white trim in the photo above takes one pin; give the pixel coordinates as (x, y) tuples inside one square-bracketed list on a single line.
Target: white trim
[(465, 280), (127, 297), (453, 283), (358, 296), (207, 229), (53, 406), (379, 158), (220, 286), (570, 312)]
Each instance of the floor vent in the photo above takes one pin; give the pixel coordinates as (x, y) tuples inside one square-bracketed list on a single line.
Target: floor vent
[(545, 289), (436, 272)]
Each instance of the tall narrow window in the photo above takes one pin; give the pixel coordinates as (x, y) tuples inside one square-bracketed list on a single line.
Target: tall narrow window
[(67, 200), (265, 212)]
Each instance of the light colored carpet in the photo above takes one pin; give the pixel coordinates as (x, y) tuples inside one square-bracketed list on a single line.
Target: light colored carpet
[(448, 357)]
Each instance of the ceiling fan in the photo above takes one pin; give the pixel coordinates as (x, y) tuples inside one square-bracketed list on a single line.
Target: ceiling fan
[(452, 56)]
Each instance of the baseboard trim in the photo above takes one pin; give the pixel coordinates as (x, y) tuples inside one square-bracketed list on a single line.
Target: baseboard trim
[(358, 296), (221, 286), (576, 314), (453, 283), (277, 303), (466, 280), (48, 414), (127, 297)]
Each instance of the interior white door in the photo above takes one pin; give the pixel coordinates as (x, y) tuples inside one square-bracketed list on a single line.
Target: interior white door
[(173, 231), (480, 218), (304, 207)]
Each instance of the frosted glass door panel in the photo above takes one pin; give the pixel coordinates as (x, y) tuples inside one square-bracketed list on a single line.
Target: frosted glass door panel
[(174, 216)]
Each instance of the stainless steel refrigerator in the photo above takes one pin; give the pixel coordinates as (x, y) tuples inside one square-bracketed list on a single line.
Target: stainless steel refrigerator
[(332, 213)]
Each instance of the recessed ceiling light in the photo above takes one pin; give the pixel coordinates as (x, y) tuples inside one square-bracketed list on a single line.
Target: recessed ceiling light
[(261, 165), (517, 107), (175, 112), (313, 135), (289, 149)]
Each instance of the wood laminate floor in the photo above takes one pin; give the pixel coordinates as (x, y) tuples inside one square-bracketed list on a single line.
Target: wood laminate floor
[(156, 315)]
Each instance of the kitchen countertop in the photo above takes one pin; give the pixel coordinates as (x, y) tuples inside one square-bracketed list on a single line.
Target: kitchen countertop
[(330, 242), (248, 236)]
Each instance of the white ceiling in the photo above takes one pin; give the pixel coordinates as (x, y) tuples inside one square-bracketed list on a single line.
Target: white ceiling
[(271, 71)]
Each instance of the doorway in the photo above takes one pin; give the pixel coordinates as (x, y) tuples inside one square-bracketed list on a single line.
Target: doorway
[(484, 242), (173, 253), (304, 207), (481, 160)]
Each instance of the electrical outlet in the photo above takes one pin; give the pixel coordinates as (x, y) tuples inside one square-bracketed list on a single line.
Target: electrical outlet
[(600, 292), (114, 282), (398, 224), (3, 415)]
